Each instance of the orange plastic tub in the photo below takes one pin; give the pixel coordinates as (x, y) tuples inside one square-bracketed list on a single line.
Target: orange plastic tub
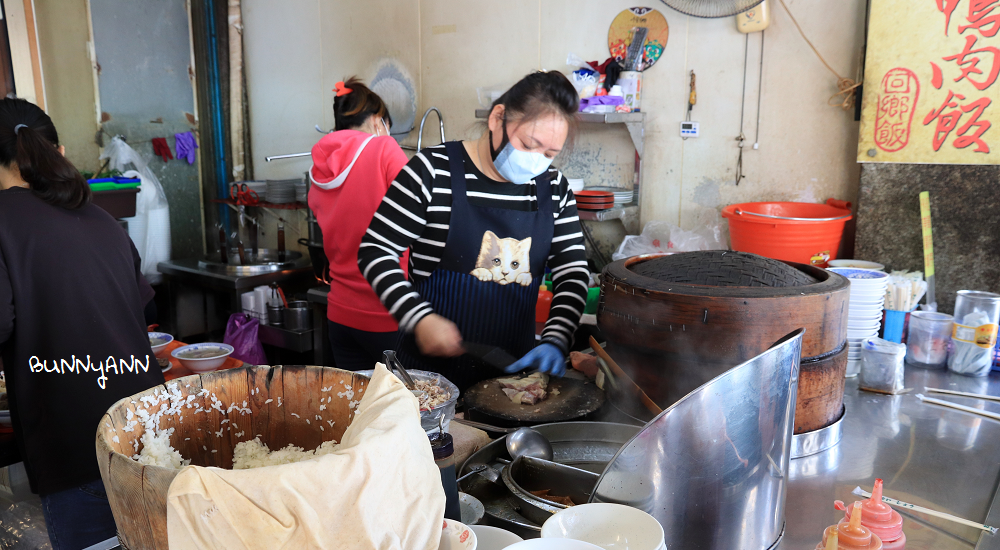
[(791, 231)]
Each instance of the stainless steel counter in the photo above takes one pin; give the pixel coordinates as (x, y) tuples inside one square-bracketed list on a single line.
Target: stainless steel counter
[(187, 271), (939, 458)]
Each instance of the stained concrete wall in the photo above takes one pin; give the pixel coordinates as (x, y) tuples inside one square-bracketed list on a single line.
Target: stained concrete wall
[(64, 47), (146, 91), (806, 148), (964, 214)]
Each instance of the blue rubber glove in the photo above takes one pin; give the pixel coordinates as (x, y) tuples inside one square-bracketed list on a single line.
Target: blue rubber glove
[(547, 358)]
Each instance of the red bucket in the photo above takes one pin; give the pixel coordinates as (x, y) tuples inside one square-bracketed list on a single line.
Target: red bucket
[(791, 231)]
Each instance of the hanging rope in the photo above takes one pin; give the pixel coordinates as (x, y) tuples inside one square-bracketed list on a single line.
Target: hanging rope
[(843, 98)]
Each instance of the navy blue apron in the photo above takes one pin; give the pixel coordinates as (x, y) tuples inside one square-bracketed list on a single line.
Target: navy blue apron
[(481, 283)]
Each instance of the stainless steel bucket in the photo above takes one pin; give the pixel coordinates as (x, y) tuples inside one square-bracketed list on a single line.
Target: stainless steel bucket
[(296, 316), (712, 469)]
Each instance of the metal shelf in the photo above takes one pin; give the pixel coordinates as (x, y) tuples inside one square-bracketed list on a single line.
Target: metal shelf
[(632, 121), (595, 118), (262, 204)]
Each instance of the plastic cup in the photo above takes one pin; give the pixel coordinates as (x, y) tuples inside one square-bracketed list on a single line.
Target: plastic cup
[(974, 333), (927, 339)]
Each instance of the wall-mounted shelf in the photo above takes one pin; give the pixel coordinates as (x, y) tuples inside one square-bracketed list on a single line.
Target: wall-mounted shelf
[(632, 121), (262, 204)]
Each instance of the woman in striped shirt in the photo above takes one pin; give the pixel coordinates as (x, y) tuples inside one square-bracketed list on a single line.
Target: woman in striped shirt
[(482, 220)]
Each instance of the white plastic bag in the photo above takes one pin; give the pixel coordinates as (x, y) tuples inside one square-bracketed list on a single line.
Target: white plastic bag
[(882, 365), (150, 228), (659, 237)]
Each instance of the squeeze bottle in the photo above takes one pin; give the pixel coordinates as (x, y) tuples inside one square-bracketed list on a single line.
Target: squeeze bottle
[(881, 519), (851, 535), (543, 305)]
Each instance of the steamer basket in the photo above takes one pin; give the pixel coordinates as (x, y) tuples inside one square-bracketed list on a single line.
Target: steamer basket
[(138, 493)]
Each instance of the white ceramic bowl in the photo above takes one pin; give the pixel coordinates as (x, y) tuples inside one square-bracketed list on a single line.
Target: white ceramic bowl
[(457, 536), (217, 354), (472, 509), (160, 337), (576, 185), (610, 526), (552, 544), (869, 309), (493, 538), (867, 293), (859, 264)]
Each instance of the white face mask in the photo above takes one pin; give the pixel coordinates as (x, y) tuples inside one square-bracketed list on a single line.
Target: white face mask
[(384, 125), (517, 166)]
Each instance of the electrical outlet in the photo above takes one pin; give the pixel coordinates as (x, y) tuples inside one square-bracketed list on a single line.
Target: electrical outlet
[(689, 129)]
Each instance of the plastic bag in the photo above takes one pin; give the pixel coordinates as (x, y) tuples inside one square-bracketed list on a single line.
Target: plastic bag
[(659, 237), (150, 228), (241, 333), (882, 365)]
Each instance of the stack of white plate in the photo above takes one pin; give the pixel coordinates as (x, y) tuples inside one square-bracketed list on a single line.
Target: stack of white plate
[(281, 191), (575, 185), (622, 196), (259, 187), (864, 315), (300, 191)]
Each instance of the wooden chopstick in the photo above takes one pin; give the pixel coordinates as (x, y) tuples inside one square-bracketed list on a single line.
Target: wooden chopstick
[(964, 394), (649, 403), (914, 508), (943, 403)]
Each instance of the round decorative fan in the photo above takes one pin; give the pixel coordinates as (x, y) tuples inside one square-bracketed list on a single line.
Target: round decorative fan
[(711, 8), (393, 83)]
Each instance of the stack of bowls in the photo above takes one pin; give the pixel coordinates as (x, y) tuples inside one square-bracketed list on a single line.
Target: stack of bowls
[(864, 316)]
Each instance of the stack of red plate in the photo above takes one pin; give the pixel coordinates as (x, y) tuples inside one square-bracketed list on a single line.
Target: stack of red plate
[(595, 200)]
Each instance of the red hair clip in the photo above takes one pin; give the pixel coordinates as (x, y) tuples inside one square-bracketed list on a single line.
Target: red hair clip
[(341, 89)]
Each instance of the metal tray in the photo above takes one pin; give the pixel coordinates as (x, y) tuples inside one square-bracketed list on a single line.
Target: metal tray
[(585, 445)]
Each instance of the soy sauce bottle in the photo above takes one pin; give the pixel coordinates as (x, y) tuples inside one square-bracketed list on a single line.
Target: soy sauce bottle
[(443, 446)]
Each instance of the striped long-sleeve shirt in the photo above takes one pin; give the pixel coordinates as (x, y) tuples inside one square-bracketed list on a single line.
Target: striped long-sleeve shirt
[(415, 214)]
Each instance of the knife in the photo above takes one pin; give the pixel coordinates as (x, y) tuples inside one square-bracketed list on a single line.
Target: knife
[(491, 355)]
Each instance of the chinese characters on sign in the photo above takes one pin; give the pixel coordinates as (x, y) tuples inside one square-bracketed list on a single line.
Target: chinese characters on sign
[(954, 56)]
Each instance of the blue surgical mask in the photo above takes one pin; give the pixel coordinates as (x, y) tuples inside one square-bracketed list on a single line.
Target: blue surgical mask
[(515, 165)]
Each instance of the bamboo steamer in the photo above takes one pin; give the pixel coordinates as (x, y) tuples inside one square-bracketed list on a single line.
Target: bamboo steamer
[(673, 337), (138, 493)]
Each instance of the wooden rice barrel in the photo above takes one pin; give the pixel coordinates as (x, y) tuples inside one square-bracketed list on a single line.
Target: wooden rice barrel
[(672, 337), (249, 399)]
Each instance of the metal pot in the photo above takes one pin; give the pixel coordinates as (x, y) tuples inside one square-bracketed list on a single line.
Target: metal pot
[(296, 316)]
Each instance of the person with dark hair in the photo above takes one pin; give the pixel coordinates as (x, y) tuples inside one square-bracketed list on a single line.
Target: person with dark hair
[(482, 220), (72, 331), (352, 168)]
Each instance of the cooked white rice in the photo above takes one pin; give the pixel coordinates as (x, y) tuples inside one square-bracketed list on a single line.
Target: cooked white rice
[(255, 454)]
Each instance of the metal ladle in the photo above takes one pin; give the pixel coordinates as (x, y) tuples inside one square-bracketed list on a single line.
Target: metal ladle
[(529, 442)]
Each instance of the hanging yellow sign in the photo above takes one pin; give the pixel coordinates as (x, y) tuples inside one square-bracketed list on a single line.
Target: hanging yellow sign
[(931, 73)]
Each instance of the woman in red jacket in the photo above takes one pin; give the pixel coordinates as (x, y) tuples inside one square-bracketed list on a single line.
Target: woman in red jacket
[(352, 169)]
